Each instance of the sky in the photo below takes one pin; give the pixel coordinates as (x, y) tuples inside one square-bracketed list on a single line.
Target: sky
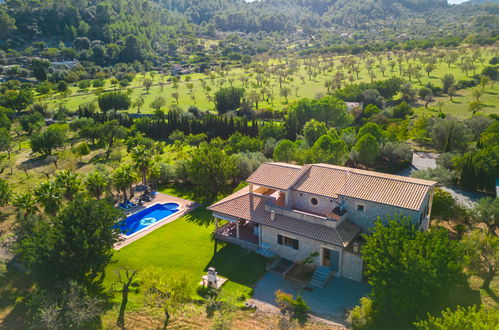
[(449, 1)]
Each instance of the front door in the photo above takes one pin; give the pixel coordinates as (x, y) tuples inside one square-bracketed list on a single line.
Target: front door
[(330, 258)]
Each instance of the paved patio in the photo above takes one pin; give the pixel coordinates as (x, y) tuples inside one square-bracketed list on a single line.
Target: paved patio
[(185, 206), (330, 302)]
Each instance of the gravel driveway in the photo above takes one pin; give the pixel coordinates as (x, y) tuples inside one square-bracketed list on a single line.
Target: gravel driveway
[(424, 160)]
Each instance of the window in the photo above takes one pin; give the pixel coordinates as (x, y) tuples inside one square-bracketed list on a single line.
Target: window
[(288, 241), (314, 201), (361, 207)]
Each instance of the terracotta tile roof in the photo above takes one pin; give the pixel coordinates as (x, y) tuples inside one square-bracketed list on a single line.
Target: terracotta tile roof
[(252, 207), (242, 205), (326, 180), (331, 181), (275, 175)]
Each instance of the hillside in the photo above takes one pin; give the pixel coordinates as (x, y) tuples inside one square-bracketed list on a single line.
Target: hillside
[(100, 19)]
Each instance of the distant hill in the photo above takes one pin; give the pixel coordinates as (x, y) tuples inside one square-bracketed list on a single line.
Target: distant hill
[(481, 2), (128, 30), (232, 14)]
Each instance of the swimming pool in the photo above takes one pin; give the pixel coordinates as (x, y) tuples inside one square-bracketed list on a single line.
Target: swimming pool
[(147, 217)]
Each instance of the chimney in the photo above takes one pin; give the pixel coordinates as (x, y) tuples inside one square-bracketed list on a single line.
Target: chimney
[(355, 247), (272, 215)]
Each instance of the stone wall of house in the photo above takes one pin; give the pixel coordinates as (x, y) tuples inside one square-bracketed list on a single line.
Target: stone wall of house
[(351, 266), (306, 246), (372, 211), (365, 218), (301, 200)]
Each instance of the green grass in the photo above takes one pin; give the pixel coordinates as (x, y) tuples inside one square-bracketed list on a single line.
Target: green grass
[(310, 87), (185, 245), (459, 107)]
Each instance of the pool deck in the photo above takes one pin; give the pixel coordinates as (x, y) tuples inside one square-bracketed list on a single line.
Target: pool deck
[(185, 206)]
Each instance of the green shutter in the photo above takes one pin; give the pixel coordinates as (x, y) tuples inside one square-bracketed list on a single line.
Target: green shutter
[(295, 244), (279, 239)]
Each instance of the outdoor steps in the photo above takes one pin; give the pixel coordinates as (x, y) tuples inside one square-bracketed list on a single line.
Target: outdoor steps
[(267, 253), (321, 276)]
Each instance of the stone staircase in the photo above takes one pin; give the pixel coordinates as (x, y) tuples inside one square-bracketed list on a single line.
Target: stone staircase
[(321, 276)]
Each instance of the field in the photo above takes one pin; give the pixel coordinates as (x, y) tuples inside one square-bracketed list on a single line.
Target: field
[(299, 78)]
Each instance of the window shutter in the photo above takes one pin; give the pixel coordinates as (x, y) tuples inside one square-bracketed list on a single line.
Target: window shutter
[(279, 239), (295, 244)]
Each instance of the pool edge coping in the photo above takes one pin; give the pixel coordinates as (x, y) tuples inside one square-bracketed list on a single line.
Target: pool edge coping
[(185, 206), (125, 237)]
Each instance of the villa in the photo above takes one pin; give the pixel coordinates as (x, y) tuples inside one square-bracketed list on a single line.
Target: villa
[(292, 211)]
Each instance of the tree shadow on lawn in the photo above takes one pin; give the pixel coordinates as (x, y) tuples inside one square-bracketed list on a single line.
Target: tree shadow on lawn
[(14, 289), (33, 163), (492, 295), (238, 265), (3, 217), (186, 192), (16, 292), (201, 217), (461, 294)]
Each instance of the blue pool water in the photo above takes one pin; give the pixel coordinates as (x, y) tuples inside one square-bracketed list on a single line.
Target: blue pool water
[(147, 217)]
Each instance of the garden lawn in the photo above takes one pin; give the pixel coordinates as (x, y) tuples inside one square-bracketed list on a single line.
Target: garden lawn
[(185, 245)]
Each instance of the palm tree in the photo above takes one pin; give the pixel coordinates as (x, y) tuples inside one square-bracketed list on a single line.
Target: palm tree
[(142, 158), (69, 182), (154, 174), (25, 203), (123, 178), (48, 194), (96, 183)]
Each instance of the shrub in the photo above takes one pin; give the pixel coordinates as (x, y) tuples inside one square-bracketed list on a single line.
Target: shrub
[(462, 318), (371, 110), (62, 86), (84, 84), (396, 153), (362, 316), (446, 160), (82, 149), (44, 87), (248, 162), (301, 309), (402, 110), (366, 150), (228, 99), (298, 308), (124, 83), (439, 174), (167, 173), (98, 83), (443, 204)]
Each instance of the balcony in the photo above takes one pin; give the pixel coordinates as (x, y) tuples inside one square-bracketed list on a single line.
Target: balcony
[(338, 215), (332, 219)]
